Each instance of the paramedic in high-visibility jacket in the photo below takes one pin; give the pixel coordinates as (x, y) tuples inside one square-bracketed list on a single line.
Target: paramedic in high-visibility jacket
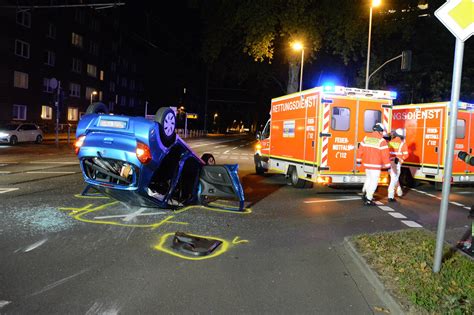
[(373, 154), (398, 153)]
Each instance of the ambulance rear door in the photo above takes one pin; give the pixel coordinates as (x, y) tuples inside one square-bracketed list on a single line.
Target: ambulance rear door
[(433, 119), (463, 142)]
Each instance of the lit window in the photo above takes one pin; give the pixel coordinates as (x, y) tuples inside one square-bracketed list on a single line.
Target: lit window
[(77, 40), (72, 113), (51, 31), (20, 80), (23, 17), (49, 58), (371, 117), (22, 49), (76, 65), (101, 75), (46, 112), (46, 86), (19, 112), (75, 90), (341, 119), (92, 70), (101, 96)]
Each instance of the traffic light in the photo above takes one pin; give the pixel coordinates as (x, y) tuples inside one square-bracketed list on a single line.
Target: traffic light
[(406, 60)]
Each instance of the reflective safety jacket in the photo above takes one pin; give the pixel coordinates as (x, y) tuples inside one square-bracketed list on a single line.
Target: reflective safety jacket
[(398, 149), (373, 152)]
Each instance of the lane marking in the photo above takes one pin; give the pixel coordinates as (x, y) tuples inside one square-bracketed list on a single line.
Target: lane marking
[(456, 203), (385, 208), (331, 200), (125, 215), (50, 172), (225, 152), (379, 203), (412, 224), (34, 245), (5, 190), (397, 215), (131, 216), (465, 192), (59, 282), (212, 143), (468, 208), (5, 172), (4, 303), (52, 162)]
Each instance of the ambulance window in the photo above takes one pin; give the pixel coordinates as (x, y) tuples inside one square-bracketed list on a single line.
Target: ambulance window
[(341, 118), (266, 131), (371, 117), (460, 129)]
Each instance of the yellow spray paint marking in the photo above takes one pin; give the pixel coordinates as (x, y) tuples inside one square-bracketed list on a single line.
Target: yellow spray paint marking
[(91, 197), (220, 250), (79, 213), (237, 240)]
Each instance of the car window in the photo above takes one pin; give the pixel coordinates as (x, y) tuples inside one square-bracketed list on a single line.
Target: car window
[(11, 126), (30, 127)]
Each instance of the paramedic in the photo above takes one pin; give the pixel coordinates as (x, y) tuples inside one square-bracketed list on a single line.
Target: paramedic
[(398, 153), (373, 154)]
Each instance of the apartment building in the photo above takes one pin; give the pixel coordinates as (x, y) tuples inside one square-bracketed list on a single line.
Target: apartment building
[(88, 52)]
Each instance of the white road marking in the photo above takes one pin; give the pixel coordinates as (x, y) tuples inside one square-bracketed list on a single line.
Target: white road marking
[(132, 216), (5, 172), (412, 224), (35, 245), (234, 148), (397, 215), (125, 215), (211, 143), (5, 190), (52, 162), (59, 282), (456, 204), (431, 195), (225, 152), (379, 203), (50, 172), (9, 163), (4, 303), (331, 200), (234, 158), (468, 208), (385, 208)]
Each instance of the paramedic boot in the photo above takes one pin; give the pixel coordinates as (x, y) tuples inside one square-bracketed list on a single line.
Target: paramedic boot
[(399, 191), (369, 202), (391, 200)]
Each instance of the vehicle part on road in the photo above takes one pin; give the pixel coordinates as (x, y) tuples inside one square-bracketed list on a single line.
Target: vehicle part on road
[(125, 158), (166, 118), (39, 139), (259, 169), (97, 108), (192, 245), (208, 159), (13, 140), (294, 180)]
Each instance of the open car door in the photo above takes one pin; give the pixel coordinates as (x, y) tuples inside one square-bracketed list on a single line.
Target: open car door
[(220, 182)]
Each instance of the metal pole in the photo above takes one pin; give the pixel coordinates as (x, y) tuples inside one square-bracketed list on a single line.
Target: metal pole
[(448, 161), (368, 51), (186, 125), (301, 70), (146, 108), (58, 92)]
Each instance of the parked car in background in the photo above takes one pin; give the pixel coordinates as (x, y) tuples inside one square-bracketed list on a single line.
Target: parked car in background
[(20, 132)]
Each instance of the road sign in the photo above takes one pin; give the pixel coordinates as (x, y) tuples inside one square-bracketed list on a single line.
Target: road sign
[(191, 116), (458, 17)]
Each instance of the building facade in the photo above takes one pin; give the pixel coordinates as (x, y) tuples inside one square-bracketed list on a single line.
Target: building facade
[(74, 55)]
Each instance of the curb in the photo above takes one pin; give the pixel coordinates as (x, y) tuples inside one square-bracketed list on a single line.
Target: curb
[(380, 290)]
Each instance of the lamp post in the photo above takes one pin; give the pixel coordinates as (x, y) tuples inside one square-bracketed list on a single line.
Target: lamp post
[(299, 46), (215, 117), (375, 3), (92, 95)]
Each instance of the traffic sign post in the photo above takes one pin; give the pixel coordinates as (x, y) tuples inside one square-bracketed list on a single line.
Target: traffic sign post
[(457, 16)]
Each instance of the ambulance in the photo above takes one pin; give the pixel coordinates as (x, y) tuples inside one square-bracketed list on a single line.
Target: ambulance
[(426, 128), (312, 136)]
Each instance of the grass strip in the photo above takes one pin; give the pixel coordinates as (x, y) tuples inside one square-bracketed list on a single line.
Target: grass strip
[(403, 261)]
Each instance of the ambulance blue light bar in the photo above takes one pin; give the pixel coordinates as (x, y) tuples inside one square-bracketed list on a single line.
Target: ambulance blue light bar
[(341, 90)]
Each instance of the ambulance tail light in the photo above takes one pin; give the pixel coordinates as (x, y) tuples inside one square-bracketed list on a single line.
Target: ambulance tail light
[(324, 180), (384, 180), (79, 142)]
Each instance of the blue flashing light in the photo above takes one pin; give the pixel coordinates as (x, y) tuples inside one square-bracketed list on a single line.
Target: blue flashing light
[(393, 94), (329, 87)]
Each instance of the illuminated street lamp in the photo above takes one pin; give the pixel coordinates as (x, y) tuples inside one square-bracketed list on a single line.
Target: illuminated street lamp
[(92, 95), (215, 116), (374, 4), (299, 46)]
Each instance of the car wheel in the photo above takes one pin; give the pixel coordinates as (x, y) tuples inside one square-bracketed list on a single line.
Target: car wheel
[(209, 159), (97, 108), (294, 180), (39, 139), (166, 119), (13, 140)]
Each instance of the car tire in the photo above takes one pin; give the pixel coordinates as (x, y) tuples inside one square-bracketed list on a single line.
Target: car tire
[(39, 139), (166, 119), (13, 140), (97, 108), (208, 159), (259, 170), (294, 180)]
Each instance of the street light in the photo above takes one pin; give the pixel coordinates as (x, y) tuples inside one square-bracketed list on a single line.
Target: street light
[(299, 46), (374, 4), (92, 95)]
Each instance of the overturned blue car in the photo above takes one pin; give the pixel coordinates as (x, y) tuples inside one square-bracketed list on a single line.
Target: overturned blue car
[(144, 163)]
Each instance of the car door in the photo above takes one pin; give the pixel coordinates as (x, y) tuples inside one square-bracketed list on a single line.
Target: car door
[(21, 133)]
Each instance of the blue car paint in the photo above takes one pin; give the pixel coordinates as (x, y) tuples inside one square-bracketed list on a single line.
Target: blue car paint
[(120, 144)]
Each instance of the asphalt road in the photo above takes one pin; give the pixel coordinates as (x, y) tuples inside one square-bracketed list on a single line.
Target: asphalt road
[(63, 253)]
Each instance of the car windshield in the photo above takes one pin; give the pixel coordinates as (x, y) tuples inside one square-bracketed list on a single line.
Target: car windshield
[(11, 127)]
